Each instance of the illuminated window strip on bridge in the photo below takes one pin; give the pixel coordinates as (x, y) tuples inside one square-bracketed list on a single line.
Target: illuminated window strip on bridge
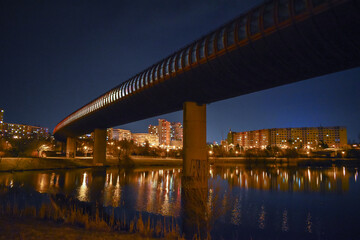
[(252, 23)]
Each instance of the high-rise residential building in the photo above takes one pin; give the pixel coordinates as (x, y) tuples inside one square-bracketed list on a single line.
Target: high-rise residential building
[(142, 138), (164, 132), (169, 134), (119, 134), (153, 130), (309, 137), (176, 131), (20, 131)]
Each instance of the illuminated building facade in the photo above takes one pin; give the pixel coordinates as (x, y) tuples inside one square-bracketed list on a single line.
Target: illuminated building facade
[(176, 131), (88, 136), (164, 132), (169, 134), (309, 137), (153, 130), (142, 138), (19, 131), (119, 134)]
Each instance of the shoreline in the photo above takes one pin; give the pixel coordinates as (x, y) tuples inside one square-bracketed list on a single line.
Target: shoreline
[(32, 228), (56, 163), (12, 164)]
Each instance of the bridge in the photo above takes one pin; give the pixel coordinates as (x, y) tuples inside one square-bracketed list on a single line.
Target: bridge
[(276, 43)]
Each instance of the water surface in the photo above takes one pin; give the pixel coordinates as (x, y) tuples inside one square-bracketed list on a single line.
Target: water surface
[(241, 201)]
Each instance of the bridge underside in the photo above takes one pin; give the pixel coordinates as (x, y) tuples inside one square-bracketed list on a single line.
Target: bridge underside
[(316, 46)]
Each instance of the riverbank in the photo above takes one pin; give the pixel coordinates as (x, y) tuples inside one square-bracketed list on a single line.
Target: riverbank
[(30, 164), (29, 228), (50, 163), (284, 161)]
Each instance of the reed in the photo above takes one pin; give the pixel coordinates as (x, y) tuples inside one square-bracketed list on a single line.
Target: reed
[(77, 216)]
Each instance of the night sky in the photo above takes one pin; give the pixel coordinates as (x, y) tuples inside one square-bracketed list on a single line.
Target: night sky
[(56, 56)]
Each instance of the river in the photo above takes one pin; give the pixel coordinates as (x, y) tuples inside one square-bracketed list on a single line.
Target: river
[(241, 201)]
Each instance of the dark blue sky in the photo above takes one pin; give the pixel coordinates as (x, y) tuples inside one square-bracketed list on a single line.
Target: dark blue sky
[(57, 56)]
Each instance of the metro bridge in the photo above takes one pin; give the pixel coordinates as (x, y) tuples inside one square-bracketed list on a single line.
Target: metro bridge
[(276, 43)]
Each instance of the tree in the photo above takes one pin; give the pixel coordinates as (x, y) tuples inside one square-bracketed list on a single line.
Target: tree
[(290, 142), (237, 148), (323, 144), (230, 137)]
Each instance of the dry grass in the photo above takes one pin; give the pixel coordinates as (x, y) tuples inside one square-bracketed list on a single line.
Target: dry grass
[(100, 221)]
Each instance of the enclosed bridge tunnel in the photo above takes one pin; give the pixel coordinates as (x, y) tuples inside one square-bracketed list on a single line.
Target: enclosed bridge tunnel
[(276, 43)]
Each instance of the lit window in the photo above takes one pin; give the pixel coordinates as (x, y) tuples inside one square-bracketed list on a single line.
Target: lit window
[(126, 88), (193, 53), (151, 77), (268, 19), (141, 80), (136, 83), (146, 79), (172, 65), (122, 90), (202, 49), (167, 66), (210, 45), (162, 70), (242, 29), (254, 24), (118, 91), (230, 38), (130, 86), (283, 10), (220, 40), (299, 6), (186, 57), (179, 61), (156, 73)]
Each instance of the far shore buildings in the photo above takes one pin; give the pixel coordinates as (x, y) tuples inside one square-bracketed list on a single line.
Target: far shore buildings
[(21, 131), (170, 134), (308, 137), (166, 135), (142, 138), (119, 134)]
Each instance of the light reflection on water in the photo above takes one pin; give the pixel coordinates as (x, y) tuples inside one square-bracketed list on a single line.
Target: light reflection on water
[(253, 198), (83, 189)]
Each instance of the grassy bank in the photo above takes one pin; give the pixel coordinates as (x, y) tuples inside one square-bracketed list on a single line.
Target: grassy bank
[(79, 220), (26, 164), (30, 228), (285, 161)]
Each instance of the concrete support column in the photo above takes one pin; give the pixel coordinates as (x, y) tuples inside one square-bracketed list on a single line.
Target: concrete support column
[(194, 193), (195, 162), (99, 146), (70, 147)]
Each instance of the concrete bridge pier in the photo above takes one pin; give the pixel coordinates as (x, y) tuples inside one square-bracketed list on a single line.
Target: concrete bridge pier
[(99, 146), (195, 162), (70, 147), (194, 184)]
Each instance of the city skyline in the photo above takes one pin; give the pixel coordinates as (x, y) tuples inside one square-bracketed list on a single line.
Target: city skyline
[(67, 56)]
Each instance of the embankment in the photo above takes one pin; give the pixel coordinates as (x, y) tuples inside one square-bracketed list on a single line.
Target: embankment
[(27, 164)]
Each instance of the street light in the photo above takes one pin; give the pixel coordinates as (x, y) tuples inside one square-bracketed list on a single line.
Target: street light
[(85, 150)]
